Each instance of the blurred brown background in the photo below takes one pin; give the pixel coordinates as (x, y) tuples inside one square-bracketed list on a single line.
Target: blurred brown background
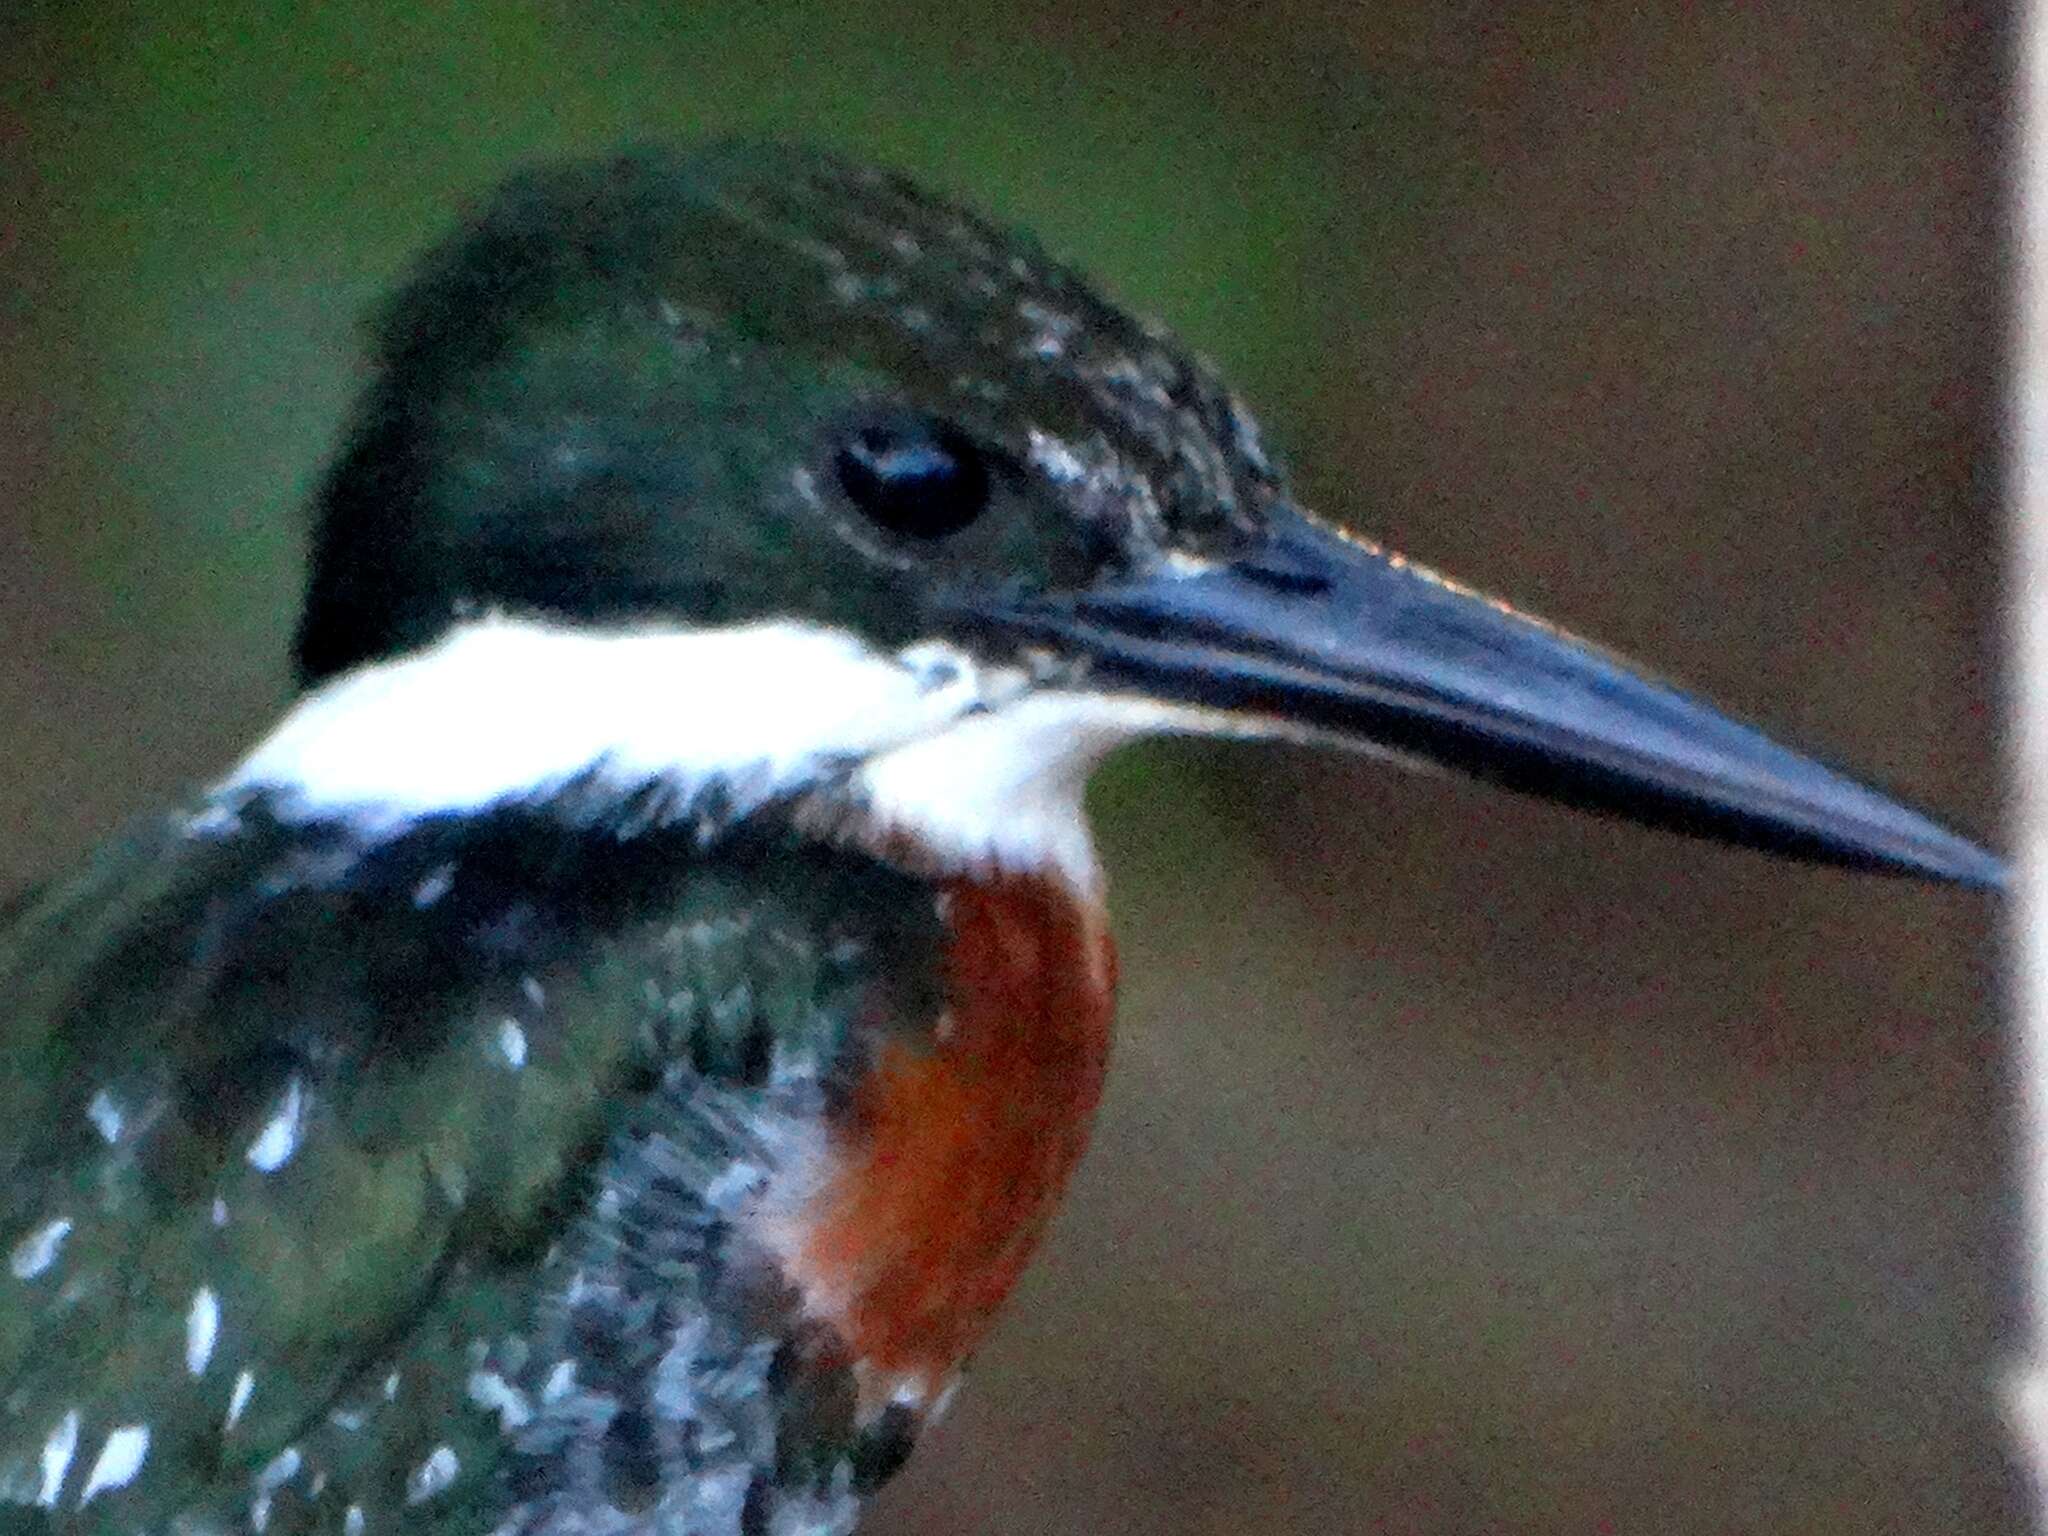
[(1468, 1166)]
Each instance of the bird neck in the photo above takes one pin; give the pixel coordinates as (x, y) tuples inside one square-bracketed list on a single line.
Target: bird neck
[(943, 763), (953, 1147)]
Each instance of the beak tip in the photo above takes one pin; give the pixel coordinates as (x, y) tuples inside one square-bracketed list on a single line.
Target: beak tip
[(1918, 847), (1974, 868), (1869, 829)]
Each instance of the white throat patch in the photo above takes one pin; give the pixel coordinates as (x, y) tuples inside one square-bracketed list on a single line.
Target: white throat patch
[(976, 764)]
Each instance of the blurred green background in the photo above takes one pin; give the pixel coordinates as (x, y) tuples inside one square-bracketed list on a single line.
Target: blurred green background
[(1467, 1166)]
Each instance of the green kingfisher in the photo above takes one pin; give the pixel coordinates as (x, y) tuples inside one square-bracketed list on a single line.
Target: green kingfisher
[(600, 1063)]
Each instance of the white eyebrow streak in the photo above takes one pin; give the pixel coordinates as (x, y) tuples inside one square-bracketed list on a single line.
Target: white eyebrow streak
[(505, 710)]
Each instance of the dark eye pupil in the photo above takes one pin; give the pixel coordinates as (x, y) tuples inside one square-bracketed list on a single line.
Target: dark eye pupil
[(914, 477)]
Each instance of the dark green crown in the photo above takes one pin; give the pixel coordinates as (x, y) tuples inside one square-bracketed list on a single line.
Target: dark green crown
[(750, 381)]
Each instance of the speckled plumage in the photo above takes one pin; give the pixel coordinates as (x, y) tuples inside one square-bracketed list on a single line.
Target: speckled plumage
[(488, 1273)]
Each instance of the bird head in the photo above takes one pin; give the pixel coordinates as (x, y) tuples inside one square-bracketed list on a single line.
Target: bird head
[(759, 475)]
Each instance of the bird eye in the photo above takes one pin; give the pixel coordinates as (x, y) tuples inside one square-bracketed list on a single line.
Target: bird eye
[(913, 476)]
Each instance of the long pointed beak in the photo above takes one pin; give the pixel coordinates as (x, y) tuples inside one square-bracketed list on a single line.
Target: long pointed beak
[(1322, 635)]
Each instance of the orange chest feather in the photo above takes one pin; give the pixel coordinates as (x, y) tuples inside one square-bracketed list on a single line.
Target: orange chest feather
[(953, 1153)]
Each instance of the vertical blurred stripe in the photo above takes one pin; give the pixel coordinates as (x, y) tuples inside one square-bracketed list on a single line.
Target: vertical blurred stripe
[(2030, 718)]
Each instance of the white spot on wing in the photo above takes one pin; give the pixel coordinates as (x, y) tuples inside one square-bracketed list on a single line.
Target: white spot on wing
[(56, 1459), (282, 1469), (238, 1399), (38, 1251), (512, 1043), (487, 1389), (120, 1458), (432, 1476), (105, 1116), (202, 1329), (279, 1138), (284, 1466)]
